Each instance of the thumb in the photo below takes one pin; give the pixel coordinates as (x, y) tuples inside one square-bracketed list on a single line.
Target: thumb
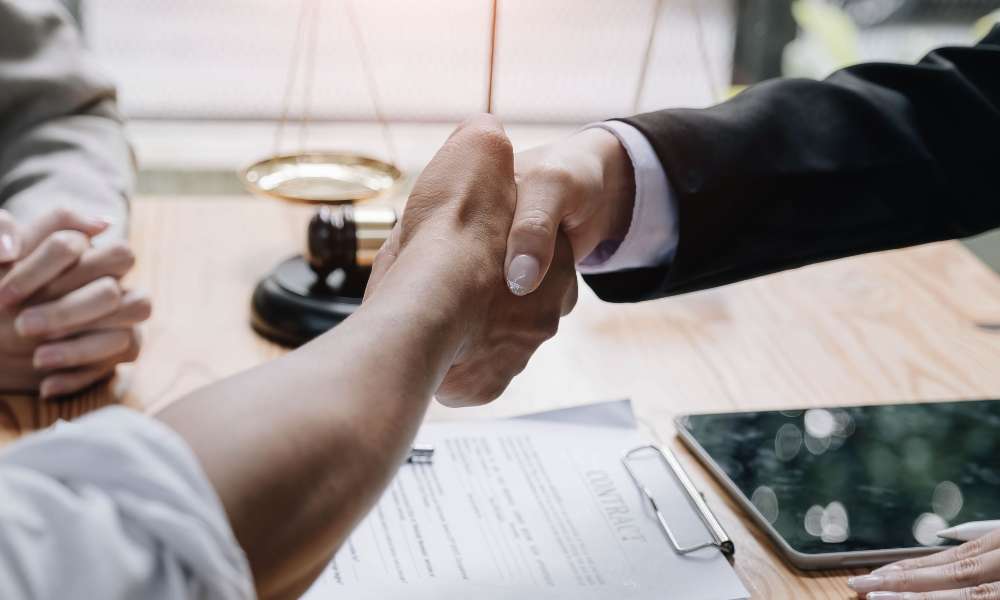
[(10, 238), (532, 239)]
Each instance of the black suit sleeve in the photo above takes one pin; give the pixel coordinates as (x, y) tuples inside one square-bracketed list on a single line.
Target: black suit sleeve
[(792, 172)]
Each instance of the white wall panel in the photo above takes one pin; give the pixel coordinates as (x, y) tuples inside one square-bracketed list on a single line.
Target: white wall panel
[(564, 61)]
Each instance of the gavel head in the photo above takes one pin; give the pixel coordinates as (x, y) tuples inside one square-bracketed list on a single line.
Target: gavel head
[(347, 237)]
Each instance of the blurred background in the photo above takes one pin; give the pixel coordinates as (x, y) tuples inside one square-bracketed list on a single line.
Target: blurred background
[(204, 83)]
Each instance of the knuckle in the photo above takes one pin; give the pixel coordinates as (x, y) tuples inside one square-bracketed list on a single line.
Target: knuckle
[(63, 216), (108, 290), (121, 339), (58, 317), (516, 367), (554, 175), (494, 144), (491, 392), (121, 255), (59, 244), (536, 221), (70, 353), (986, 591), (143, 308), (965, 570), (570, 299), (495, 138), (65, 244), (902, 580), (132, 353), (545, 328), (970, 549), (485, 132), (484, 393)]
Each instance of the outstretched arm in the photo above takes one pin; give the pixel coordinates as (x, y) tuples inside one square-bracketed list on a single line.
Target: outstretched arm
[(297, 450), (787, 173), (300, 448)]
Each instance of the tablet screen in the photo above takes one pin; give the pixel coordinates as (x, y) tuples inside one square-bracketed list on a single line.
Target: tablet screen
[(864, 478)]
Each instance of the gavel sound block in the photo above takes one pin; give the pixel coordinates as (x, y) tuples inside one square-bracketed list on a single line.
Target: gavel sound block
[(307, 295)]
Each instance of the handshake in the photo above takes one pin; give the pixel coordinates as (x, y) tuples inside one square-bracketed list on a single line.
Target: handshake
[(489, 238), (488, 243)]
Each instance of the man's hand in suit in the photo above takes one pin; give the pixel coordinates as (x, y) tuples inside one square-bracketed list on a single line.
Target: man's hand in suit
[(452, 239), (583, 186)]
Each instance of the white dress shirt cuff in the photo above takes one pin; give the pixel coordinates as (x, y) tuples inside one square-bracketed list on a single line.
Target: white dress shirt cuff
[(652, 236)]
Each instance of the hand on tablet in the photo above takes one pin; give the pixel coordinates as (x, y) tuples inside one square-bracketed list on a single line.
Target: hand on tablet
[(967, 572)]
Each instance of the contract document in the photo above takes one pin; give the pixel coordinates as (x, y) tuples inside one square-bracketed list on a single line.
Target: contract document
[(536, 507)]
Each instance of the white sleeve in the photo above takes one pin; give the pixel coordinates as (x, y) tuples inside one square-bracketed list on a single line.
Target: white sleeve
[(62, 143), (113, 506), (652, 237)]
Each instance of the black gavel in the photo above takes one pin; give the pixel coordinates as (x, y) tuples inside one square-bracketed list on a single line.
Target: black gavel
[(347, 237)]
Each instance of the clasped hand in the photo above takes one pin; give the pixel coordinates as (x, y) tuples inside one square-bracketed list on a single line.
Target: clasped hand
[(65, 320), (452, 237)]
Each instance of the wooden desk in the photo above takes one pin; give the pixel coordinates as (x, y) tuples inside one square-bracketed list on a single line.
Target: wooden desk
[(909, 325)]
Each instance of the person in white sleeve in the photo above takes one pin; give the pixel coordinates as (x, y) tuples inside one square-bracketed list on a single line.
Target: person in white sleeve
[(66, 172), (246, 487)]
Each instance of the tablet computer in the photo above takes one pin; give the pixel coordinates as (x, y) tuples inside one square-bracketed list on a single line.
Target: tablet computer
[(856, 486)]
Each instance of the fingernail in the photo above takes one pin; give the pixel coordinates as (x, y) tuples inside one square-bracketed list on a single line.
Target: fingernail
[(522, 274), (48, 389), (30, 323), (47, 357), (8, 249), (892, 596), (886, 569), (865, 583)]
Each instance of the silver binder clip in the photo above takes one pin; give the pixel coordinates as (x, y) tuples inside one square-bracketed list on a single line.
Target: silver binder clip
[(420, 454), (720, 539)]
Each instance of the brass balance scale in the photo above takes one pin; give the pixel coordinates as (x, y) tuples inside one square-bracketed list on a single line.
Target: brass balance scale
[(308, 294)]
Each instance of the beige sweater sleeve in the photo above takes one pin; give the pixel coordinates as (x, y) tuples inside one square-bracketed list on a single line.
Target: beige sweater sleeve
[(61, 140)]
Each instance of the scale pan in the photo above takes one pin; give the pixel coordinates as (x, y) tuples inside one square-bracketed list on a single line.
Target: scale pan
[(320, 177)]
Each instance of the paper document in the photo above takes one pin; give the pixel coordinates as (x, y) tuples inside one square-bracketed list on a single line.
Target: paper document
[(528, 508)]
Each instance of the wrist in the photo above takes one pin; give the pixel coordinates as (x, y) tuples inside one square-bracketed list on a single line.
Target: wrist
[(430, 290), (615, 196)]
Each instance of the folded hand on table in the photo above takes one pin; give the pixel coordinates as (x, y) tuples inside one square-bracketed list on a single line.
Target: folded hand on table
[(967, 572), (456, 225), (65, 320)]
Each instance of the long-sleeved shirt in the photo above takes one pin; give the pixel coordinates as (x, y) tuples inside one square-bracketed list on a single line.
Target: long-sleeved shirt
[(113, 506), (962, 75), (61, 141), (792, 172), (652, 235)]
